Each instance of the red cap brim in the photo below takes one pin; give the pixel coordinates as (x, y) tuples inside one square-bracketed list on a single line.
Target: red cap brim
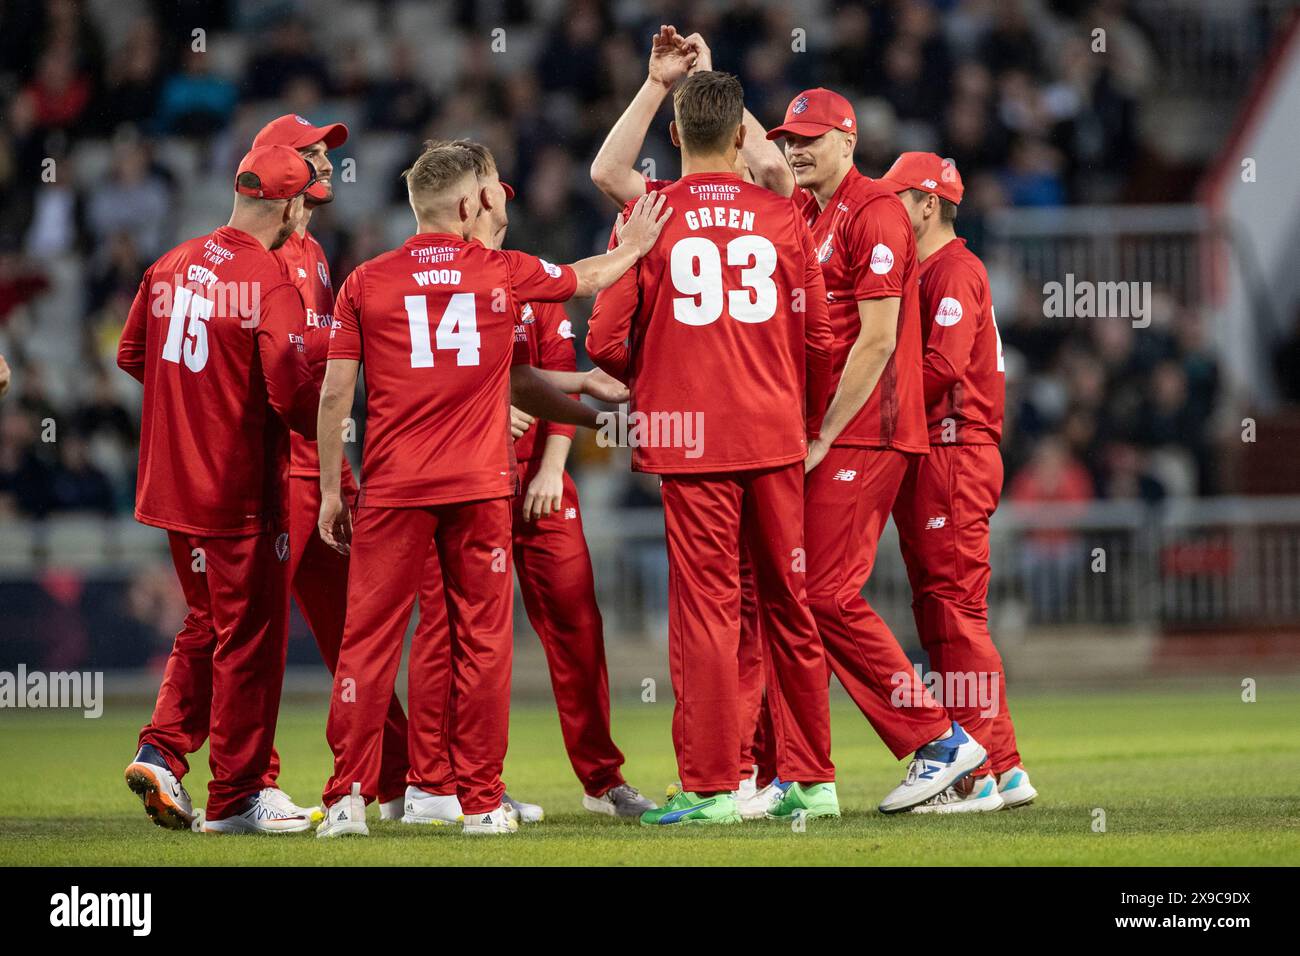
[(801, 129), (897, 185), (510, 190), (336, 134)]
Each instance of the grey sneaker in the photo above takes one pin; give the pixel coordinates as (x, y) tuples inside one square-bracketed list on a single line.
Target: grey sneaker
[(621, 801)]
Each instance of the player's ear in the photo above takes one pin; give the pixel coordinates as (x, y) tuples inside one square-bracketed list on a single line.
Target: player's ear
[(740, 137), (672, 134)]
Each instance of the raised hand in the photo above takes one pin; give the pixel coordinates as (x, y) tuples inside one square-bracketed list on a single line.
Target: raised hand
[(703, 57), (670, 58)]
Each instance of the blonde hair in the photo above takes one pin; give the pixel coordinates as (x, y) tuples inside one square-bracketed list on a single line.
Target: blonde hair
[(442, 165)]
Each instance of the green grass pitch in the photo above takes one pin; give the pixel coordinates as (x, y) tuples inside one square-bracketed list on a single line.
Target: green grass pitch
[(1184, 777)]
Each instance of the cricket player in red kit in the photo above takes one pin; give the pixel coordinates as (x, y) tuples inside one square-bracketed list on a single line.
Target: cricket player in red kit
[(214, 334), (873, 428), (555, 574), (319, 574), (614, 172), (943, 510), (434, 323), (729, 346)]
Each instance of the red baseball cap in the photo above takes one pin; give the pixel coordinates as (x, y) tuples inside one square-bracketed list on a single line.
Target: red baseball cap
[(297, 133), (281, 173), (927, 172), (814, 112), (510, 190)]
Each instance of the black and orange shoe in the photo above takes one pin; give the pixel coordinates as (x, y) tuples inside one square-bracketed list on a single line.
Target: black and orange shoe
[(165, 800)]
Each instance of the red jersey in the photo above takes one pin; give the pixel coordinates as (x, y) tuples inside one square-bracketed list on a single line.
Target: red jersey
[(433, 321), (544, 335), (965, 384), (867, 250), (721, 332), (308, 269), (215, 335)]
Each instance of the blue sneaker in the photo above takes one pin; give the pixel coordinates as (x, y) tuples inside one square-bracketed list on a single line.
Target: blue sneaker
[(935, 768)]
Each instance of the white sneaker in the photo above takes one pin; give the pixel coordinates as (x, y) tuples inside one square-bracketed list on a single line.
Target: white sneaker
[(490, 823), (935, 768), (346, 817), (522, 812), (267, 811), (970, 794), (1015, 788), (756, 805), (392, 809), (282, 800), (431, 809), (165, 800)]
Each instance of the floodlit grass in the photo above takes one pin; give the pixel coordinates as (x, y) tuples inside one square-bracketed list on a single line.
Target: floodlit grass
[(1183, 778)]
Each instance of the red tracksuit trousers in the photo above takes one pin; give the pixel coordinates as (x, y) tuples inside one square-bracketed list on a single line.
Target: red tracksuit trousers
[(706, 518), (318, 578), (394, 553), (847, 501), (230, 651), (559, 591), (942, 514)]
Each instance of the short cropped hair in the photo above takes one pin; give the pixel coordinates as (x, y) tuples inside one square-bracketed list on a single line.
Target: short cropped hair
[(440, 166), (485, 163), (947, 208), (708, 107)]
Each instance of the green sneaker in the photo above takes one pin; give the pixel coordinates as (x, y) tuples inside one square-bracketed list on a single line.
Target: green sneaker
[(686, 807), (816, 800)]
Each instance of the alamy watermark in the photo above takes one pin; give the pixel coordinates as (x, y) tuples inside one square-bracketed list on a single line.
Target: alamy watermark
[(73, 690), (1083, 299), (950, 689), (624, 429)]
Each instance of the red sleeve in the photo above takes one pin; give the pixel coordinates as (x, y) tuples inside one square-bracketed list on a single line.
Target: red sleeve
[(345, 335), (878, 238), (280, 343), (130, 349), (554, 334), (536, 280), (611, 324), (952, 333), (819, 339)]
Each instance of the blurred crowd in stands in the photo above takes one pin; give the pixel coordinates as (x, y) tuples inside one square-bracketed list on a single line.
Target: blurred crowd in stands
[(1007, 88)]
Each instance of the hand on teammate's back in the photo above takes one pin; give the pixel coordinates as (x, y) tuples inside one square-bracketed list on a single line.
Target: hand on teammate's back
[(644, 223)]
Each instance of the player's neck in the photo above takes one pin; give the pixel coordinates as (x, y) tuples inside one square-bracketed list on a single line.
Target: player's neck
[(933, 240), (694, 163), (823, 192), (266, 234), (306, 218), (441, 227)]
